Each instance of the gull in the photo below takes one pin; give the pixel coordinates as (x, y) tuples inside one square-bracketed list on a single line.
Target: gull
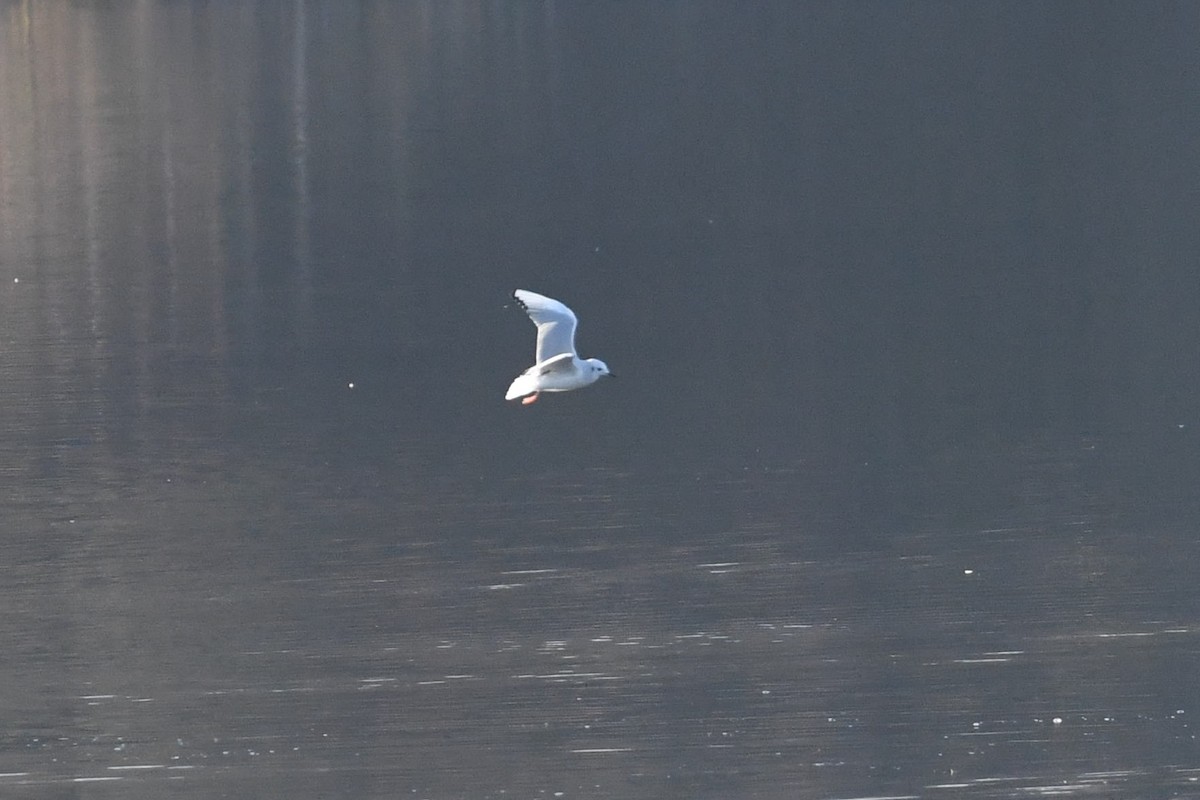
[(557, 368)]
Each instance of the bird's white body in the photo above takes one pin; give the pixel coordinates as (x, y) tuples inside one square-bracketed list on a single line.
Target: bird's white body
[(558, 374), (558, 368)]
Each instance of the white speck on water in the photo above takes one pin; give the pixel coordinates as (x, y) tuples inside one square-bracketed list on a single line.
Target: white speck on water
[(1124, 635), (350, 385), (96, 780), (968, 572), (1057, 720)]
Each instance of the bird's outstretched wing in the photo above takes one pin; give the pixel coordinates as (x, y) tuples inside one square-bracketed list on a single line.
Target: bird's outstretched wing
[(563, 362), (555, 324)]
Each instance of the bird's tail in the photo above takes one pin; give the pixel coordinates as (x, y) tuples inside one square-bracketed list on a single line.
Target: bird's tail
[(523, 385)]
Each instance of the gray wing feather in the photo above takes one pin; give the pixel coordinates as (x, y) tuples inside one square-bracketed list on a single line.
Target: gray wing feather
[(555, 324), (560, 363)]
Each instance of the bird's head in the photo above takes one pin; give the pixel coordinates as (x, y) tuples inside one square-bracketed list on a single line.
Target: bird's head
[(599, 368)]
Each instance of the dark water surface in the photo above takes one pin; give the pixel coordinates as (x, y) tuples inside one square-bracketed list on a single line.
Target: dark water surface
[(895, 496)]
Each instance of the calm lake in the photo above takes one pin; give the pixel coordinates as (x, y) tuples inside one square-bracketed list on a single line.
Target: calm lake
[(895, 495)]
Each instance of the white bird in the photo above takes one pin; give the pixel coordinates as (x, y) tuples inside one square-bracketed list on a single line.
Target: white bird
[(557, 368)]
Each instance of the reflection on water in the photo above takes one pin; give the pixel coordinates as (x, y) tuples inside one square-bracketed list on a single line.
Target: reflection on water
[(222, 618), (809, 548)]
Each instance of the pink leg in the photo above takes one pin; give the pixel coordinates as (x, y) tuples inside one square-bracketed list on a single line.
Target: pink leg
[(530, 399)]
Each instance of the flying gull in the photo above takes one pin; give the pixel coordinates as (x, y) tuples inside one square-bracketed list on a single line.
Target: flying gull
[(557, 368)]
